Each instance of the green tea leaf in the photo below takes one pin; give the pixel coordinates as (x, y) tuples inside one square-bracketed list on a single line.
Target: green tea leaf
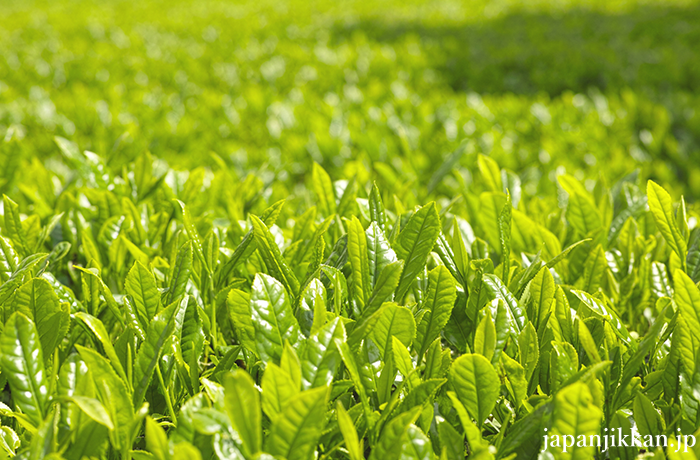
[(687, 297), (602, 311), (273, 319), (392, 436), (451, 441), (193, 234), (13, 226), (516, 317), (323, 188), (414, 244), (529, 348), (93, 409), (384, 288), (485, 337), (141, 285), (542, 291), (192, 340), (179, 274), (504, 219), (379, 251), (574, 415), (360, 281), (295, 432), (581, 211), (113, 395), (161, 327), (438, 304), (421, 394), (516, 380), (376, 208), (242, 402), (320, 357), (156, 440), (22, 364), (647, 419), (347, 428), (352, 367), (37, 300), (593, 271), (247, 245), (490, 172), (394, 321), (270, 252), (278, 387), (238, 303), (8, 259), (98, 329), (637, 359), (476, 384), (416, 445), (661, 207), (587, 343)]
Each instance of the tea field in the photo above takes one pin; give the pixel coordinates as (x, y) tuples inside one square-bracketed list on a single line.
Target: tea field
[(342, 231)]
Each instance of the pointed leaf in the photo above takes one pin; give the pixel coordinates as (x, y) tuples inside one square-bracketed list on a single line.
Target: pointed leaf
[(395, 321), (278, 387), (320, 358), (323, 187), (439, 301), (238, 303), (94, 409), (160, 329), (416, 445), (271, 255), (295, 433), (661, 206), (574, 415), (347, 428), (37, 300), (414, 244), (113, 395), (179, 274), (376, 208), (141, 285), (485, 337), (379, 250), (98, 329), (273, 319), (516, 317), (360, 285), (13, 226), (8, 259), (393, 434), (23, 365), (384, 288), (242, 402), (542, 291), (476, 384), (504, 219), (687, 297)]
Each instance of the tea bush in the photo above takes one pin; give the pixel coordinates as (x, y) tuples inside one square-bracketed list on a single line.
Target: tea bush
[(315, 231)]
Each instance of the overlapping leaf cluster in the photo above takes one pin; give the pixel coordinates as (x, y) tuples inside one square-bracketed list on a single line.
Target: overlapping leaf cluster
[(395, 92), (149, 313)]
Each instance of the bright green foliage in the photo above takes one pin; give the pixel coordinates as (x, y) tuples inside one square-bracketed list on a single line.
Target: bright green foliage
[(314, 240), (575, 415), (23, 366), (349, 335)]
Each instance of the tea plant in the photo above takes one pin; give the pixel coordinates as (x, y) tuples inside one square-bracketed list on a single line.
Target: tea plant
[(387, 91), (150, 313)]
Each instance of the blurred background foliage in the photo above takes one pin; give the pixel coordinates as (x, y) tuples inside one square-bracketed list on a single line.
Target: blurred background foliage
[(404, 93)]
